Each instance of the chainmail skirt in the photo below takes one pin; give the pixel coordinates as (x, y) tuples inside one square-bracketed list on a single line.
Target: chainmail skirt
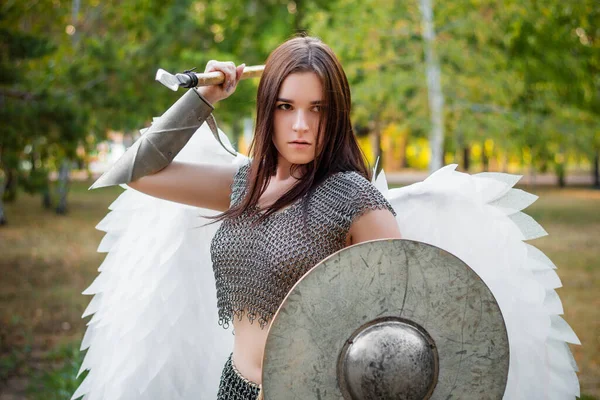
[(234, 386)]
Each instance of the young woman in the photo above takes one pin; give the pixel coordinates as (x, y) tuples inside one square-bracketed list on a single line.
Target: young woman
[(303, 195), (305, 169)]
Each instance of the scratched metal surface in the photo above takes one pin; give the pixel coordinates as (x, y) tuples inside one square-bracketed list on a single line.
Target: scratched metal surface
[(400, 278)]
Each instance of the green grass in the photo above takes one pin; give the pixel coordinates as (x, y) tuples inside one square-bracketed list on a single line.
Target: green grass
[(57, 382), (48, 260)]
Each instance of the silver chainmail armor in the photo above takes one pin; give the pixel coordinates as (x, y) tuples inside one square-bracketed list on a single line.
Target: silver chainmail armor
[(234, 386), (256, 266)]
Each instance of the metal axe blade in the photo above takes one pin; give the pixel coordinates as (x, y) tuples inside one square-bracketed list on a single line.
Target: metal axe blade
[(167, 79)]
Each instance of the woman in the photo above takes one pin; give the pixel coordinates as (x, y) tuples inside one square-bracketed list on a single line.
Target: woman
[(308, 155), (304, 195)]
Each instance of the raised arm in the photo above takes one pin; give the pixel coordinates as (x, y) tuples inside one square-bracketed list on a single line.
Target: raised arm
[(147, 165)]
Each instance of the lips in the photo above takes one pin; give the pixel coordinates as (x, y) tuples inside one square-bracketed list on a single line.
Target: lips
[(300, 145)]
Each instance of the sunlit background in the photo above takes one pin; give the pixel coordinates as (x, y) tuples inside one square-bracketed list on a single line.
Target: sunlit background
[(511, 86)]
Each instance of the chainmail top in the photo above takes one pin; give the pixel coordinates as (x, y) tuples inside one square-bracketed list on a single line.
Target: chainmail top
[(256, 266)]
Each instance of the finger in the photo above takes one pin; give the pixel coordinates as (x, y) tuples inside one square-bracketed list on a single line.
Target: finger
[(239, 71), (222, 67), (226, 78), (210, 66), (231, 76), (216, 66)]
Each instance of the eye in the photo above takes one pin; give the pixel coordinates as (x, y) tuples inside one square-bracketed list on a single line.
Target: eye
[(284, 107), (317, 108)]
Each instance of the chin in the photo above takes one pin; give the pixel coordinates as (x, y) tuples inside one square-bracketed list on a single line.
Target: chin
[(300, 160)]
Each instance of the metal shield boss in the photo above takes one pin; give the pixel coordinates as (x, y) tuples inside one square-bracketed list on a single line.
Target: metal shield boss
[(387, 319)]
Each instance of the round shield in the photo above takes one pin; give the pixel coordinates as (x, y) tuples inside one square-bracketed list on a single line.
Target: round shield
[(387, 319)]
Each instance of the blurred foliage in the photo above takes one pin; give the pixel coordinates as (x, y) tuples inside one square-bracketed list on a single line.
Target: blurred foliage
[(522, 76), (59, 380), (43, 119)]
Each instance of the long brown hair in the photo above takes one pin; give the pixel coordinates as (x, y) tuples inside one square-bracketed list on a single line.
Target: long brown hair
[(337, 149)]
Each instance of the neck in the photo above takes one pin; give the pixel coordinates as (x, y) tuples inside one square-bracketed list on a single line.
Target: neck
[(286, 170)]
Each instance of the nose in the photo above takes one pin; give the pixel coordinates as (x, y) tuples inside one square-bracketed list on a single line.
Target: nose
[(300, 122)]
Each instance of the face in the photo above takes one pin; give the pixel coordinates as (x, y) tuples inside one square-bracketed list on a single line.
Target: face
[(296, 118)]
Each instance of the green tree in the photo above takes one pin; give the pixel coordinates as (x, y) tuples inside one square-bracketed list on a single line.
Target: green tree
[(40, 109), (382, 57)]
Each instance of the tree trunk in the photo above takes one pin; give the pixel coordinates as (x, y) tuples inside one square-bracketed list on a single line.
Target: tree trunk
[(2, 215), (45, 188), (63, 186), (2, 179), (46, 197), (596, 169), (560, 175), (403, 145), (466, 158), (434, 86), (485, 160), (10, 186)]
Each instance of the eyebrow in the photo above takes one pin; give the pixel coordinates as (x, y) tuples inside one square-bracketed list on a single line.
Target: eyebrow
[(292, 101)]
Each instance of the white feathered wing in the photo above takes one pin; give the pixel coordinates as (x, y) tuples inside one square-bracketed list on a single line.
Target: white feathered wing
[(478, 218), (154, 335), (154, 331)]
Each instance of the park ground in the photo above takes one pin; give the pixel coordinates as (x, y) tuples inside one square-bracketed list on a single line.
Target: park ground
[(47, 260)]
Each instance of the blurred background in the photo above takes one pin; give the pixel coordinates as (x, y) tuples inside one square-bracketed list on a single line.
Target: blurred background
[(511, 86)]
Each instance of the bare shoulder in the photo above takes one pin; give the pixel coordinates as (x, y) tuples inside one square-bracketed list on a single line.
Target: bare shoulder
[(374, 224)]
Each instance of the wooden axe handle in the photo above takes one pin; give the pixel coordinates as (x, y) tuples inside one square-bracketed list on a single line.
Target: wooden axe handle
[(216, 77)]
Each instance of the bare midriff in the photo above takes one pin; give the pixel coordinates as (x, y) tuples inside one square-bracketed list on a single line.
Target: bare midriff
[(248, 348), (249, 345)]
